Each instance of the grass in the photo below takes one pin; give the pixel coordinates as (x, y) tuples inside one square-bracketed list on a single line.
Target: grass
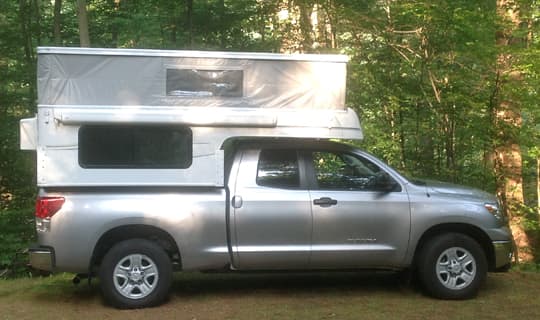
[(511, 295)]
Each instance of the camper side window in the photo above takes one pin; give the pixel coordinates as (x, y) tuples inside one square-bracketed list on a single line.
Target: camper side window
[(194, 83), (135, 147)]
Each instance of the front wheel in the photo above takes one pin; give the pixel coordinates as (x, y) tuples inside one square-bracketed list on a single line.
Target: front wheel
[(135, 273), (452, 266)]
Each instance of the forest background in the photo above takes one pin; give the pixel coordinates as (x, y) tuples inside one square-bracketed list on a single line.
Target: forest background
[(445, 89)]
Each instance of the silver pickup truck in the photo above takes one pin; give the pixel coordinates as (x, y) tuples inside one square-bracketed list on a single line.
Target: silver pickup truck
[(288, 204), (151, 161)]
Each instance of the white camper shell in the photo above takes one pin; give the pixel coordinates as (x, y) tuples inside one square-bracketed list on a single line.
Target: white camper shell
[(126, 117)]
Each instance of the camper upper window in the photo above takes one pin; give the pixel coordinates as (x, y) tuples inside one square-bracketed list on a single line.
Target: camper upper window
[(204, 83), (133, 147)]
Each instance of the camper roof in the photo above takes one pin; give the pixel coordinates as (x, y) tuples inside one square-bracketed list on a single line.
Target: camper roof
[(194, 54)]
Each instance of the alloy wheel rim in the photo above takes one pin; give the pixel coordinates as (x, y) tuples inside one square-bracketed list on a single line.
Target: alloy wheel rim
[(135, 276), (456, 268)]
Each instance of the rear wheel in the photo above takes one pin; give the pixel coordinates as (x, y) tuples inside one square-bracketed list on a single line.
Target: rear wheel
[(452, 266), (135, 273)]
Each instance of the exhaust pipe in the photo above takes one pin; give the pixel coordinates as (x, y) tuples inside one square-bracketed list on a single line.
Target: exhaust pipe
[(77, 279)]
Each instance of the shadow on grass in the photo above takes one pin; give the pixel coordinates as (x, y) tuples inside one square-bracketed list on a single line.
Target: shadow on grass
[(494, 284), (193, 284), (188, 286), (196, 284), (60, 288)]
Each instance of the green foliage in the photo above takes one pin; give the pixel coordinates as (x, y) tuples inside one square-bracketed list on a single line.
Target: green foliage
[(422, 75), (17, 233), (17, 189)]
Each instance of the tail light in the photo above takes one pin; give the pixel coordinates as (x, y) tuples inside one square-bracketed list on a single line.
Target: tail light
[(46, 207)]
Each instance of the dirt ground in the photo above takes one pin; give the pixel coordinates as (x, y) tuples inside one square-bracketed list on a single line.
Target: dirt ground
[(511, 295)]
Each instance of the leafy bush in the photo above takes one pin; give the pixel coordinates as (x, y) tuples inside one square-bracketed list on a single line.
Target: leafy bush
[(17, 232), (17, 189)]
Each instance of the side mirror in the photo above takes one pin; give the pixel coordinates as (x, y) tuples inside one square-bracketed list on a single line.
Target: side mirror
[(384, 182)]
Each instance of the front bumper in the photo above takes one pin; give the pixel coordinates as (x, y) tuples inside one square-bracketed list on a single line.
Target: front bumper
[(503, 253), (41, 258)]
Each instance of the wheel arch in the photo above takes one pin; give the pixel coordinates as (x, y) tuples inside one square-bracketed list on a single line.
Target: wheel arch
[(140, 231), (470, 230)]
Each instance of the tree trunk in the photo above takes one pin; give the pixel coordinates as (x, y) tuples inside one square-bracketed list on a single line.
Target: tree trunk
[(507, 117), (83, 23), (538, 183), (37, 28), (306, 27), (449, 128), (114, 24), (189, 22), (25, 16), (173, 23), (222, 33), (57, 28), (401, 139), (333, 21)]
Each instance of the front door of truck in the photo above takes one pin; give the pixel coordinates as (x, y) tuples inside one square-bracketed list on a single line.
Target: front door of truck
[(270, 211), (358, 221)]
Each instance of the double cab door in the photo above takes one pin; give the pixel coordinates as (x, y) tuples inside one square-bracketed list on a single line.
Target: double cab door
[(315, 208)]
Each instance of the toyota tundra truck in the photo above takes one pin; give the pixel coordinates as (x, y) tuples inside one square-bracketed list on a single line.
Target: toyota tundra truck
[(151, 162)]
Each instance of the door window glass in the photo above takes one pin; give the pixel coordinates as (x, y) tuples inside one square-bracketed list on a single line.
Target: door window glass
[(278, 169), (342, 171)]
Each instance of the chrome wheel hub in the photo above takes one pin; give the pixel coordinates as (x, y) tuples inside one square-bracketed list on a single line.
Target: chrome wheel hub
[(456, 268), (135, 276)]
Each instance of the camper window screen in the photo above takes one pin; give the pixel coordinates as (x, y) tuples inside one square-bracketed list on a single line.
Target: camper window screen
[(135, 147), (204, 83)]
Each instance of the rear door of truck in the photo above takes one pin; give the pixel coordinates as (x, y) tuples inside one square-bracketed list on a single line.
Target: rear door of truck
[(270, 220)]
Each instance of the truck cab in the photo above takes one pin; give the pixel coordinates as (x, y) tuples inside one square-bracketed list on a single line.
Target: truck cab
[(316, 205)]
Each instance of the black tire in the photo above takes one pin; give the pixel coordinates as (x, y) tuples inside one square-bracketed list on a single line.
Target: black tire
[(143, 270), (452, 266)]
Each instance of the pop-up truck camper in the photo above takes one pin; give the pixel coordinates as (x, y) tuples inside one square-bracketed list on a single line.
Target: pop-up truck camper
[(152, 161), (177, 105)]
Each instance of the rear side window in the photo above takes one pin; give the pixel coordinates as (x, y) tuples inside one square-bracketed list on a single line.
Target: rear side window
[(135, 147), (278, 169)]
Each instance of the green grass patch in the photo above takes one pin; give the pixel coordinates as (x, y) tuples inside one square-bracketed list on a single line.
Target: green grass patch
[(276, 296)]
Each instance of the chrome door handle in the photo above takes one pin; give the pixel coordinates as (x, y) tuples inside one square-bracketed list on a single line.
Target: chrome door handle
[(237, 202), (325, 202)]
